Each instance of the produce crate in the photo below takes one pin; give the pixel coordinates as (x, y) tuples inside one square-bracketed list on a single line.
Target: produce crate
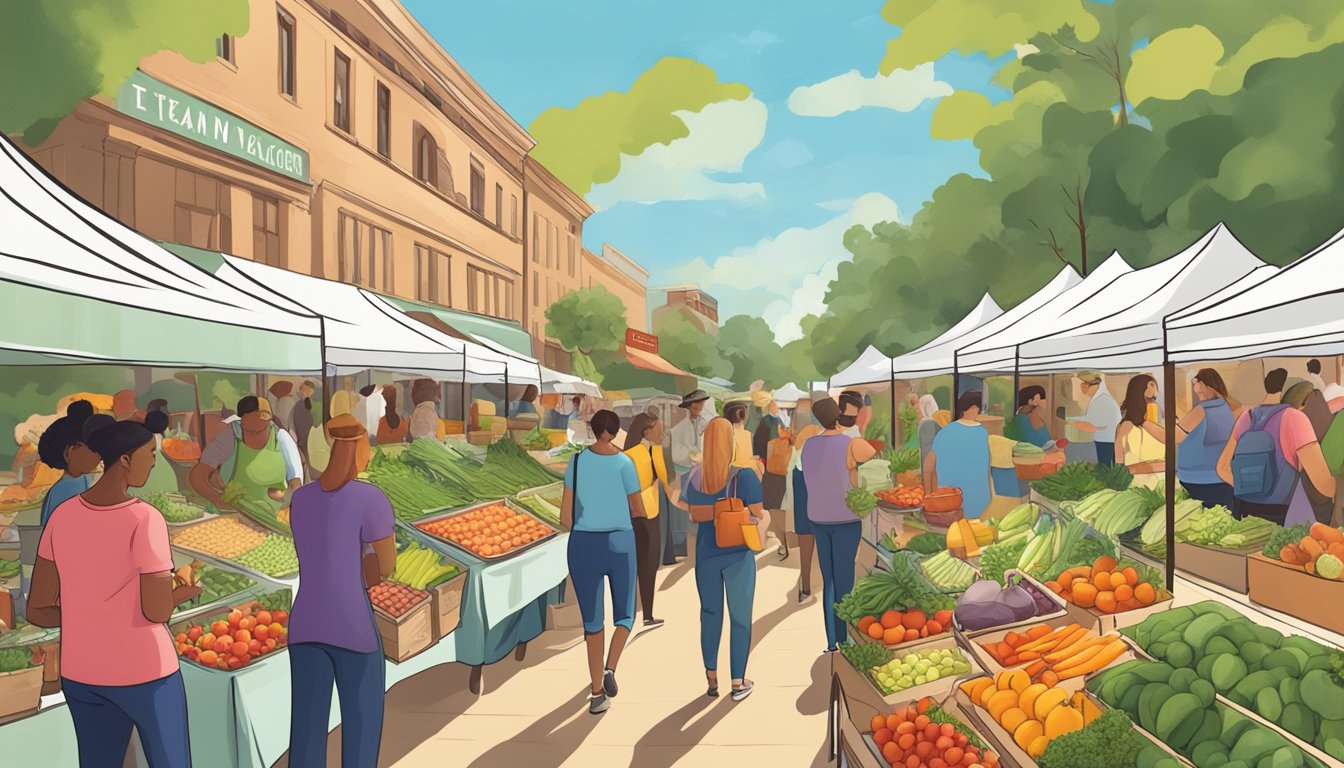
[(446, 604), (1290, 589), (249, 607), (436, 515), (859, 683), (1101, 623), (917, 644), (1225, 567), (20, 693), (883, 519), (408, 634), (987, 661), (206, 514), (1061, 612), (999, 740), (51, 668), (854, 746)]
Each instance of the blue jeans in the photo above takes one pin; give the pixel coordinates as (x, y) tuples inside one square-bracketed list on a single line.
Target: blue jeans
[(1105, 453), (732, 574), (594, 556), (837, 552), (104, 715), (359, 680)]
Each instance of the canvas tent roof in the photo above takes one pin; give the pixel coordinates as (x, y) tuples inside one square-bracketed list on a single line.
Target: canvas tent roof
[(1295, 313), (1120, 329), (996, 351), (871, 367), (789, 394), (505, 339), (567, 384), (81, 287)]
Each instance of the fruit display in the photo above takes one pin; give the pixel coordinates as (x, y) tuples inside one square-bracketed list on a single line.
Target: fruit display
[(233, 640), (1320, 552), (923, 734), (216, 584), (1033, 714), (901, 588), (966, 537), (903, 496), (1108, 587), (948, 573), (897, 627), (420, 568), (1291, 681), (490, 531), (174, 510), (1180, 709), (225, 537), (919, 667), (1049, 654), (988, 604), (1075, 482), (263, 512), (396, 599), (860, 500), (274, 556)]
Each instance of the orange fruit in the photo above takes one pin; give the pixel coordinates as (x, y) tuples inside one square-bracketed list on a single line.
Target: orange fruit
[(893, 636), (238, 649), (208, 658), (242, 636), (234, 618), (875, 631), (220, 628)]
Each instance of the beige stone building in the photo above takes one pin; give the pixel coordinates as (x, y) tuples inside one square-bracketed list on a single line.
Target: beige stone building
[(690, 300), (624, 277), (552, 265), (335, 138)]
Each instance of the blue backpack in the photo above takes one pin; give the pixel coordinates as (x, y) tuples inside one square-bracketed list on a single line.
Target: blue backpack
[(1259, 472)]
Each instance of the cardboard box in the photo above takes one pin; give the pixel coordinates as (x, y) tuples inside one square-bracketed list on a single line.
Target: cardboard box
[(408, 634), (1225, 567), (446, 605), (1102, 623), (974, 642), (1291, 590), (852, 719), (860, 686), (20, 693)]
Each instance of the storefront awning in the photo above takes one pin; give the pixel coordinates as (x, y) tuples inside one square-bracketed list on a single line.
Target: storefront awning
[(499, 335), (555, 382), (651, 361), (522, 367)]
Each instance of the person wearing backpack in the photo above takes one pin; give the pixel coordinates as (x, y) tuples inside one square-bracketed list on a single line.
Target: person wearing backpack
[(602, 499), (726, 503), (1271, 445)]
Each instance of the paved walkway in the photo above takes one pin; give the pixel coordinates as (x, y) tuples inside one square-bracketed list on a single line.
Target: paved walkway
[(534, 713)]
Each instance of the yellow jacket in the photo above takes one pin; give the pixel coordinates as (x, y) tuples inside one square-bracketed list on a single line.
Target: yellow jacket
[(651, 465)]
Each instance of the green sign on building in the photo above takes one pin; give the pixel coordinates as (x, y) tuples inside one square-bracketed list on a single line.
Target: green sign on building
[(160, 104)]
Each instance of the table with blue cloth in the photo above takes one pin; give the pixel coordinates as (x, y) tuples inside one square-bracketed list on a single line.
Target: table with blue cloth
[(241, 718)]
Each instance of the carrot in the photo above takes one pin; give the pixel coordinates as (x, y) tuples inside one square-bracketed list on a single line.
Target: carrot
[(1106, 656), (1069, 651), (1050, 640), (1013, 639), (1078, 657), (1039, 631), (1049, 678), (1012, 661), (1035, 669), (1028, 655), (1006, 650)]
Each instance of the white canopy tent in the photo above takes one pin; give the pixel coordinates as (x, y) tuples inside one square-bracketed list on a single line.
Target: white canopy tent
[(1120, 328), (555, 382), (940, 359), (996, 352), (1298, 312), (872, 367), (82, 288), (789, 395), (919, 359)]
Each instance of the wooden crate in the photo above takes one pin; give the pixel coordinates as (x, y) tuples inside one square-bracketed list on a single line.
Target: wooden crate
[(1290, 589), (1225, 567), (446, 605), (20, 693), (408, 634)]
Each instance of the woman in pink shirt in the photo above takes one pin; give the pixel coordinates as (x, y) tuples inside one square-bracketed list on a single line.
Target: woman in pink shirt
[(104, 576)]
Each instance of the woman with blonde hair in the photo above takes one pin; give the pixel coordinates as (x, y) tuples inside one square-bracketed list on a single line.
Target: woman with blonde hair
[(344, 538), (724, 571)]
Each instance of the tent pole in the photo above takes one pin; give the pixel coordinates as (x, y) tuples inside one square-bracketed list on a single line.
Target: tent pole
[(326, 385), (893, 414), (956, 383), (506, 391), (1169, 376)]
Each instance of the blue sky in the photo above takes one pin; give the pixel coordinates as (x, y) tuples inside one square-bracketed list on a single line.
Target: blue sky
[(532, 55)]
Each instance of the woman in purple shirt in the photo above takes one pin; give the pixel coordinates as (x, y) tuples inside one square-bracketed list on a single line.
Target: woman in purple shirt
[(332, 637)]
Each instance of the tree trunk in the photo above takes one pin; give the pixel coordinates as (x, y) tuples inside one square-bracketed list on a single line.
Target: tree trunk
[(1082, 231)]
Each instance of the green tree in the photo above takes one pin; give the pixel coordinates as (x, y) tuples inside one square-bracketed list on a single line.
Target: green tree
[(56, 53), (586, 320), (683, 344)]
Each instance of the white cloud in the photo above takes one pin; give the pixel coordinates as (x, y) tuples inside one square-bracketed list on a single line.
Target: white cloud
[(903, 90), (721, 137), (787, 274)]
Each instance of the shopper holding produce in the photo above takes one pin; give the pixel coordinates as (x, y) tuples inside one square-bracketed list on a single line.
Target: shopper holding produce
[(119, 668), (254, 453), (830, 470), (601, 504), (644, 446), (1202, 435), (960, 457), (1028, 425), (344, 538), (1102, 416), (61, 447), (727, 571)]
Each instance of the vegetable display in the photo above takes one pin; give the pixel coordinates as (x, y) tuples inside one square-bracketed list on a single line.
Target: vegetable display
[(233, 640), (1034, 714), (174, 511), (865, 656), (988, 604), (966, 537), (1061, 545), (928, 543), (896, 627), (998, 559), (1109, 741), (912, 736), (1107, 586), (490, 531), (1215, 527), (1291, 681), (274, 556), (1320, 552), (1053, 654), (412, 494), (428, 476), (901, 588), (904, 496), (948, 573), (1073, 482), (1016, 524), (1281, 537), (260, 511), (903, 460), (216, 584), (224, 537), (918, 668), (860, 500), (15, 659), (419, 567), (1112, 513), (396, 599), (1181, 710)]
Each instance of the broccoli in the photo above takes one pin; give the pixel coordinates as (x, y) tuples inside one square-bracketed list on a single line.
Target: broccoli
[(1110, 741)]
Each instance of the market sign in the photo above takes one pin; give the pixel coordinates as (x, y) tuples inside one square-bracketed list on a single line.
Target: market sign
[(162, 105), (645, 342)]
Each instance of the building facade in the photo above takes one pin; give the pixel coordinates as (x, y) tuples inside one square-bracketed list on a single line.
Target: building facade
[(623, 277), (700, 307), (334, 138), (552, 264)]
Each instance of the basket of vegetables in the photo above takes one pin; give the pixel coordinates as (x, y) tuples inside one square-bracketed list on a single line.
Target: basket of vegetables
[(20, 681)]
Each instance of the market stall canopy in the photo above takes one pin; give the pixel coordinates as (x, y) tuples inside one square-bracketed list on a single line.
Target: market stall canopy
[(1294, 313), (81, 287), (652, 361), (510, 342), (555, 382), (360, 332), (872, 367), (994, 348), (789, 395), (935, 358), (715, 386), (1120, 329)]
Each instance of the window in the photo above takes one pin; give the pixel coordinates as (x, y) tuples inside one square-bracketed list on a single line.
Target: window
[(536, 238), (384, 121), (513, 215), (489, 293), (550, 241), (571, 256), (536, 289), (431, 275), (286, 22), (224, 48), (477, 188), (499, 207), (267, 247), (201, 213), (426, 156), (340, 93), (365, 253)]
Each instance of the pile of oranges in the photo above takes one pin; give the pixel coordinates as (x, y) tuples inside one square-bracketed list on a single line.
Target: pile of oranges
[(896, 627), (490, 531), (235, 641)]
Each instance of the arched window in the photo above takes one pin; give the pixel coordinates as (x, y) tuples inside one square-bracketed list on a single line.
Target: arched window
[(426, 156)]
